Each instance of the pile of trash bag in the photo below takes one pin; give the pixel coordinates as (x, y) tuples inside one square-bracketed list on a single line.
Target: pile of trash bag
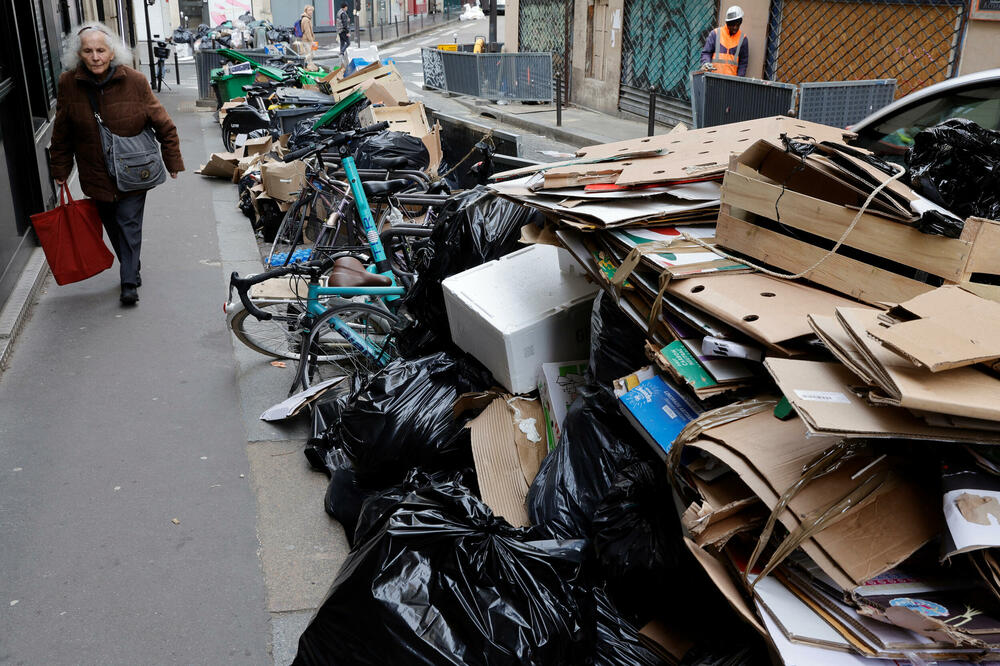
[(437, 578), (954, 164), (402, 417)]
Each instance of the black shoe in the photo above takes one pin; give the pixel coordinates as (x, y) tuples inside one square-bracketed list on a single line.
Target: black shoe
[(129, 295), (138, 279)]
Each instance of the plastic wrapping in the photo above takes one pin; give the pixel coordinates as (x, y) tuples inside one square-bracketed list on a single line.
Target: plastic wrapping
[(954, 164), (636, 537), (616, 343), (616, 640), (344, 497), (401, 418), (391, 145), (473, 227), (595, 444), (441, 580)]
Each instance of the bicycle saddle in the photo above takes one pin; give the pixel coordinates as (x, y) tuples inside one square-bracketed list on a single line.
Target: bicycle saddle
[(349, 272), (383, 188), (390, 163)]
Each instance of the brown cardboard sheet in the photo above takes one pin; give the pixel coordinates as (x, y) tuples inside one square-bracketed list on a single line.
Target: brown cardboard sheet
[(770, 310), (220, 165), (823, 395), (769, 455), (716, 570), (942, 329), (508, 446), (283, 180), (408, 118), (963, 391)]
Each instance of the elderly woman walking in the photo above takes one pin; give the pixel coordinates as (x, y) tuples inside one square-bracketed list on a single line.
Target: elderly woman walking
[(96, 75)]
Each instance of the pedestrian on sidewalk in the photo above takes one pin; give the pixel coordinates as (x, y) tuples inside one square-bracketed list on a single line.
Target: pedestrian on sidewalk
[(727, 50), (344, 28), (95, 68), (305, 44)]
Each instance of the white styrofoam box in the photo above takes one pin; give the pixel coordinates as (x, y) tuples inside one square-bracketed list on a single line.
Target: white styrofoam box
[(520, 311)]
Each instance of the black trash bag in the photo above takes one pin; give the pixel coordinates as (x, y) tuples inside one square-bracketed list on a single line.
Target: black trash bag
[(344, 497), (956, 164), (595, 444), (616, 640), (722, 652), (391, 145), (402, 418), (616, 343), (183, 36), (637, 538), (442, 580), (473, 227)]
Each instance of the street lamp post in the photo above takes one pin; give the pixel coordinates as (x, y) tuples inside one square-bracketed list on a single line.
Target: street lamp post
[(149, 42)]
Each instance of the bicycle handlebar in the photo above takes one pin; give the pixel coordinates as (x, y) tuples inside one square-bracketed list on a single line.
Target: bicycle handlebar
[(335, 139)]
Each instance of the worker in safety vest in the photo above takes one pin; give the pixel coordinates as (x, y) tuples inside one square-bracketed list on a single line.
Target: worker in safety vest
[(727, 50)]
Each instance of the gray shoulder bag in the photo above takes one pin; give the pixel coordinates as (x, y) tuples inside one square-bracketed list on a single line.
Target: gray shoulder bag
[(134, 162)]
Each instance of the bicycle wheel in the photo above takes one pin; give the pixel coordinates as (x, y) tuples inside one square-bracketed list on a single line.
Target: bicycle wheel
[(288, 236), (328, 354), (279, 337)]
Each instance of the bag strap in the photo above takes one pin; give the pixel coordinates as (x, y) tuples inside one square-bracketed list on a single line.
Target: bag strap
[(92, 96), (64, 194)]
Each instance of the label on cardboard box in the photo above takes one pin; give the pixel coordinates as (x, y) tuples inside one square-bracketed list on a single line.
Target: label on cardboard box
[(823, 396)]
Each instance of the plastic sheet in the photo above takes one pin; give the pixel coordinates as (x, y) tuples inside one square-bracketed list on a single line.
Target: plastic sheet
[(636, 537), (596, 443), (442, 580), (473, 227), (616, 343), (391, 145), (954, 164), (402, 418), (616, 640)]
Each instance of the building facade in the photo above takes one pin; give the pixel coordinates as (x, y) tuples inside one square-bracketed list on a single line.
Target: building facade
[(614, 52), (31, 38)]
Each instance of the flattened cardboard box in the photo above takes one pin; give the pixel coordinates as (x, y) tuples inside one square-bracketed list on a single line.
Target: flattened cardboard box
[(822, 395), (220, 165), (892, 523), (508, 446), (409, 118), (961, 391), (942, 329)]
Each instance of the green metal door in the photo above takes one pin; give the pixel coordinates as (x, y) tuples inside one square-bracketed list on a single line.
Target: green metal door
[(661, 46)]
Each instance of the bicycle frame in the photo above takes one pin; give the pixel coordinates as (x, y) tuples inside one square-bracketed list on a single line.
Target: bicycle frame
[(387, 294)]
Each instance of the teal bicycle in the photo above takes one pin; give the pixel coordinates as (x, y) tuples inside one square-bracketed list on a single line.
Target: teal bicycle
[(334, 314)]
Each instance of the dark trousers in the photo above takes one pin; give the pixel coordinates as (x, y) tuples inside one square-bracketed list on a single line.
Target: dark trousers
[(345, 41), (123, 221)]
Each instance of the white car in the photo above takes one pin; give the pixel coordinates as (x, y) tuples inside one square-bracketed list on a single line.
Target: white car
[(889, 131)]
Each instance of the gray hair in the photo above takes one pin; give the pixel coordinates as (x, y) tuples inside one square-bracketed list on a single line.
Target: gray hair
[(71, 52)]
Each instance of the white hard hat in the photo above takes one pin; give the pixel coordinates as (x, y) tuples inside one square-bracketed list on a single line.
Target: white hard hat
[(734, 13)]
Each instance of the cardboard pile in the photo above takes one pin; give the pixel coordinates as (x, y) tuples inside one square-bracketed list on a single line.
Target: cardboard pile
[(829, 438)]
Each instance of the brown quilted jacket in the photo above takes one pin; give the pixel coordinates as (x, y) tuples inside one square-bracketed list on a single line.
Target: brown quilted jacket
[(127, 105)]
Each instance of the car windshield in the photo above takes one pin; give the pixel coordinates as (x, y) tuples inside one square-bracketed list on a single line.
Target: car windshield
[(895, 133)]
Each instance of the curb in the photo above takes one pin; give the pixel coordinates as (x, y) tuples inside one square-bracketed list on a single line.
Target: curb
[(16, 310), (549, 131), (416, 33)]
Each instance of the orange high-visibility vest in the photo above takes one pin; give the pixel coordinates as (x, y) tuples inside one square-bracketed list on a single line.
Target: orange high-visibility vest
[(726, 50)]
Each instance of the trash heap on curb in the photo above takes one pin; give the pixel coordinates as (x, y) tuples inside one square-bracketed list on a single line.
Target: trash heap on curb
[(736, 401)]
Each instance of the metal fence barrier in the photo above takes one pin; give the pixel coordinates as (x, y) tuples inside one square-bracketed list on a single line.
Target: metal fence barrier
[(717, 99), (523, 77), (843, 103)]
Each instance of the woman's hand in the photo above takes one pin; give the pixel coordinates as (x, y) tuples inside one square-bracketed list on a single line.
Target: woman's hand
[(173, 174)]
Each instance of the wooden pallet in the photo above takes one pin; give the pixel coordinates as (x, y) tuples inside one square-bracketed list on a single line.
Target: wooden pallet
[(748, 203)]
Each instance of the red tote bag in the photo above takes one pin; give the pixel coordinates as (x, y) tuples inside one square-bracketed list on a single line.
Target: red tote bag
[(72, 237)]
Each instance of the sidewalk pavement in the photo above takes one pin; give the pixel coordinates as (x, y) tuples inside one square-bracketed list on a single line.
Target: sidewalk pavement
[(580, 127), (148, 516)]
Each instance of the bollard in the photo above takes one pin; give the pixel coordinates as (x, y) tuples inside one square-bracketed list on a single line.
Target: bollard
[(558, 84), (652, 112), (177, 69), (395, 22)]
